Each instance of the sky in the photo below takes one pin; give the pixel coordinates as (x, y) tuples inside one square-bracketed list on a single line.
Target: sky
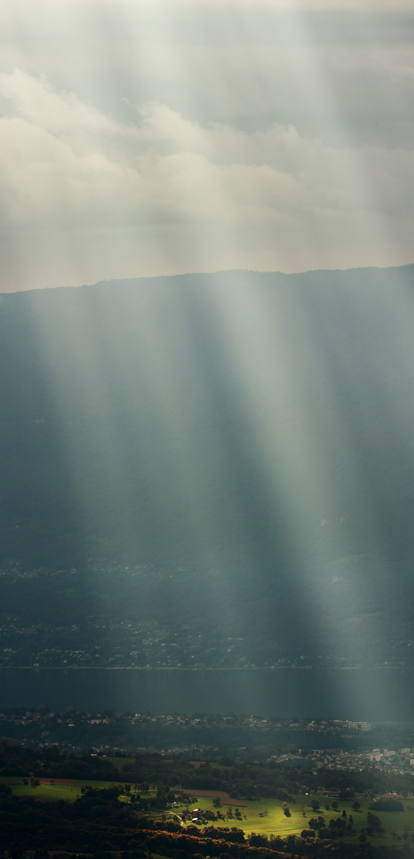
[(142, 139)]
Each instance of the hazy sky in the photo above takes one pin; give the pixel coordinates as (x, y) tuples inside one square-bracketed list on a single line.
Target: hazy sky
[(153, 138)]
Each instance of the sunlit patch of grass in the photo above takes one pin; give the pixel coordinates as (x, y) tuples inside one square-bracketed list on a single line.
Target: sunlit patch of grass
[(48, 791), (266, 817)]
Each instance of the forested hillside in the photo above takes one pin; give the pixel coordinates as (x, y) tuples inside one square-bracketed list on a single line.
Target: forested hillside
[(242, 441)]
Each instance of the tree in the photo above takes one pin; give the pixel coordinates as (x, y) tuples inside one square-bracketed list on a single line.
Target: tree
[(374, 821), (307, 833), (315, 804), (387, 805), (217, 802), (356, 805)]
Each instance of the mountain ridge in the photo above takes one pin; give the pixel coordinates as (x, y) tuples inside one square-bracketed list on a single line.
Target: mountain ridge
[(251, 441)]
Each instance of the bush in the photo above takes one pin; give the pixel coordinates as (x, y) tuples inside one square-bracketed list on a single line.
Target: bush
[(387, 805), (373, 820)]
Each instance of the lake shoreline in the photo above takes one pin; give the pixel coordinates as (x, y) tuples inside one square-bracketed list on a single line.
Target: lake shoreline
[(145, 668), (371, 695)]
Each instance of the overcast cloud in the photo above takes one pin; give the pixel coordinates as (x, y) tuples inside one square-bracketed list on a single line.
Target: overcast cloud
[(145, 139)]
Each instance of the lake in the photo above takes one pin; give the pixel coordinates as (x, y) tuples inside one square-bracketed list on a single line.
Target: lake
[(377, 695)]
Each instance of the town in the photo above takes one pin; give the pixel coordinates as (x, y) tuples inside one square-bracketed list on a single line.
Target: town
[(329, 744)]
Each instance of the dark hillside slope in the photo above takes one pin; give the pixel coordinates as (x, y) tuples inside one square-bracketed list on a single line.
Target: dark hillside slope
[(246, 437)]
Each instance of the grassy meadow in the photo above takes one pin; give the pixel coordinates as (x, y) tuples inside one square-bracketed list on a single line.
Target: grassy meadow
[(263, 816), (266, 816), (48, 792)]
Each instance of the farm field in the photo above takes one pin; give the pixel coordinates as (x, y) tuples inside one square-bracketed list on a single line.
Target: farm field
[(265, 816), (68, 789)]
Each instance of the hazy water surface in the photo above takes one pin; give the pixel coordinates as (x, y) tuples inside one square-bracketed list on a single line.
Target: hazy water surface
[(374, 695)]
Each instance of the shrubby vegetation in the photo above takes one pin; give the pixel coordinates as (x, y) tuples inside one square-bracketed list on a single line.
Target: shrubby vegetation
[(388, 805), (146, 822), (97, 823), (50, 763), (244, 780)]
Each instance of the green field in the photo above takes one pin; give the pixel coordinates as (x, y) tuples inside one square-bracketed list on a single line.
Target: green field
[(264, 816), (48, 792)]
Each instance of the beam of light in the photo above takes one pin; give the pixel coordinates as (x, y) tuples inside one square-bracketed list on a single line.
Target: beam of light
[(269, 370), (187, 453), (200, 194), (272, 348), (273, 370)]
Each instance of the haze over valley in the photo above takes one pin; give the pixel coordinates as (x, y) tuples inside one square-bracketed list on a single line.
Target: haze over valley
[(206, 429), (209, 471)]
